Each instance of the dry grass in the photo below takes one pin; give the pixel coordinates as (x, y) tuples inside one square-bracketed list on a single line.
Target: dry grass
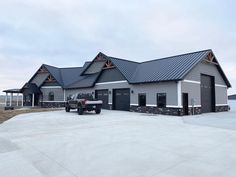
[(6, 115)]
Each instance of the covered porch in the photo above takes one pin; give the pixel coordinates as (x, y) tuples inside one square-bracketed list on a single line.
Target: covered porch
[(31, 95), (13, 98)]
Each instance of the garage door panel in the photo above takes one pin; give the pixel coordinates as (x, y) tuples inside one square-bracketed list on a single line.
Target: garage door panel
[(207, 93), (121, 99)]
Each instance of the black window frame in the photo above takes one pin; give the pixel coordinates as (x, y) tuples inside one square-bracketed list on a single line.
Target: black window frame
[(51, 96), (161, 100), (140, 95)]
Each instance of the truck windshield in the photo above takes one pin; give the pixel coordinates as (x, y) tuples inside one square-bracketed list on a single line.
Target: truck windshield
[(86, 96)]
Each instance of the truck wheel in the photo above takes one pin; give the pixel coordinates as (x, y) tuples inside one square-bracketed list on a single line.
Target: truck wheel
[(80, 110), (67, 108), (98, 110)]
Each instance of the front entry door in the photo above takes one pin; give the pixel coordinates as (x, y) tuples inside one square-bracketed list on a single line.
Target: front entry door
[(185, 103)]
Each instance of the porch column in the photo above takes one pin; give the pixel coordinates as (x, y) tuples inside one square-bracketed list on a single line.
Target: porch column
[(64, 95), (6, 98), (179, 93), (11, 96), (33, 100), (22, 101), (17, 100)]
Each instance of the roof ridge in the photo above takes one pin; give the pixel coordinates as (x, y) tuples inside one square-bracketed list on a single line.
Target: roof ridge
[(71, 67), (175, 56), (50, 66), (124, 59)]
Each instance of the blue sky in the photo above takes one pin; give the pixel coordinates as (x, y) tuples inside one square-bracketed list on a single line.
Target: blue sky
[(69, 32)]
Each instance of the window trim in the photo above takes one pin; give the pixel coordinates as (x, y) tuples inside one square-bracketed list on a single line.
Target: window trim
[(157, 100), (139, 100), (51, 95)]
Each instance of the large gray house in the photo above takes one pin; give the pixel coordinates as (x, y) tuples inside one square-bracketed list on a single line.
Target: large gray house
[(185, 84)]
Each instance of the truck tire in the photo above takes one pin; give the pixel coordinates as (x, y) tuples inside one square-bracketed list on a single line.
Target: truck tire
[(67, 108), (80, 110), (98, 110)]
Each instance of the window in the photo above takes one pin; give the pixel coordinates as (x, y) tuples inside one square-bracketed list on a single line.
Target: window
[(142, 99), (161, 100), (51, 96)]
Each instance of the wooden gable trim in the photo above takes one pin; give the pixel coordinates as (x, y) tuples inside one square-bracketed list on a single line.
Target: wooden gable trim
[(99, 57), (210, 58), (42, 69), (50, 79), (108, 65)]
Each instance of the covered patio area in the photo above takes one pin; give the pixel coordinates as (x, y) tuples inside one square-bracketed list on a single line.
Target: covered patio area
[(13, 98), (28, 96), (32, 95)]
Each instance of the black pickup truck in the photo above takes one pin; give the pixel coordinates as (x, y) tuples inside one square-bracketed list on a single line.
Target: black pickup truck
[(83, 102)]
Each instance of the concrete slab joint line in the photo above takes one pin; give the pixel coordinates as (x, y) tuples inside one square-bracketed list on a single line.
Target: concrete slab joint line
[(165, 170), (48, 157)]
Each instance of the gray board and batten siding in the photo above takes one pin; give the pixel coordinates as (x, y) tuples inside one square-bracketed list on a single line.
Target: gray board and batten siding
[(192, 84), (106, 81), (178, 78)]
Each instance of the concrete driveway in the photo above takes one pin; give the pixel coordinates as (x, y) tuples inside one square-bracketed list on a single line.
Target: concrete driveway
[(117, 144)]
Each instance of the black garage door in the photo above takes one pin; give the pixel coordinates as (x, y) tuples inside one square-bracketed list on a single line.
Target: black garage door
[(121, 99), (207, 93), (102, 95)]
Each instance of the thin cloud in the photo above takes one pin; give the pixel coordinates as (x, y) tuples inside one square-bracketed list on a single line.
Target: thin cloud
[(69, 32)]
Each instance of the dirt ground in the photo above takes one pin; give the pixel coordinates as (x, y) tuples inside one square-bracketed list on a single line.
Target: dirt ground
[(6, 115)]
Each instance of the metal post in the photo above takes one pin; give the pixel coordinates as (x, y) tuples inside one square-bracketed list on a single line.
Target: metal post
[(11, 96), (64, 95), (6, 97), (17, 100), (22, 101), (33, 100)]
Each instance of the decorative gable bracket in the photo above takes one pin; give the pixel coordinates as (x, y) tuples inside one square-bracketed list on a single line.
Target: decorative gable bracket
[(42, 70), (211, 59), (50, 79), (108, 65)]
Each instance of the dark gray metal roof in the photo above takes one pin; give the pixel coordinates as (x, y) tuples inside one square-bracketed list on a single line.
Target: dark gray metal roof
[(55, 73), (126, 67), (86, 81), (165, 69), (71, 77)]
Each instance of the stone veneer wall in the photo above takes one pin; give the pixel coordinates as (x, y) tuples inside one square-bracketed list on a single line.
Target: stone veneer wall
[(197, 110), (155, 110), (52, 104), (173, 111), (222, 108)]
